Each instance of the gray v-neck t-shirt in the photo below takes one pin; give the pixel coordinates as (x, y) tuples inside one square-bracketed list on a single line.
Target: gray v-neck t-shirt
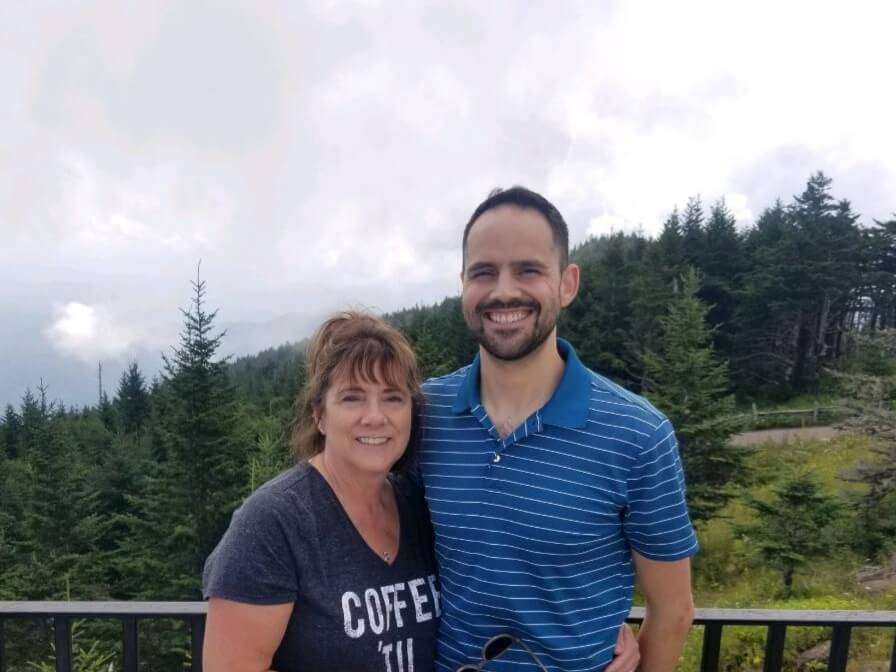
[(291, 541)]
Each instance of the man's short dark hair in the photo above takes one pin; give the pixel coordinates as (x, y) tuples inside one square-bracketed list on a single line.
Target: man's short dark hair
[(524, 198)]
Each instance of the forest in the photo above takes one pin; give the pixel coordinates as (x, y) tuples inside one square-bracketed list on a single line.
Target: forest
[(124, 499)]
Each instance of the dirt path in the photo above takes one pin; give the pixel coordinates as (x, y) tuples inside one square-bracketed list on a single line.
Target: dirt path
[(784, 435)]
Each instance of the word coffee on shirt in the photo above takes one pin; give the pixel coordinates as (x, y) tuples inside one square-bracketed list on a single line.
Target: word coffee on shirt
[(389, 609)]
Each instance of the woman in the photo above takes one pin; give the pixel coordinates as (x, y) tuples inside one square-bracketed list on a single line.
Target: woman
[(328, 566)]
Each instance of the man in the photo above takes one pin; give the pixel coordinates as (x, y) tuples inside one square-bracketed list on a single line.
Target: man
[(550, 487)]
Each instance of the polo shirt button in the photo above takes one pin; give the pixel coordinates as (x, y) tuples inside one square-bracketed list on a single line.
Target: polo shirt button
[(497, 458)]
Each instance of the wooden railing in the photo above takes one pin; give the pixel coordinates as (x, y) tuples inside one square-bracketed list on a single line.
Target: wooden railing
[(775, 622)]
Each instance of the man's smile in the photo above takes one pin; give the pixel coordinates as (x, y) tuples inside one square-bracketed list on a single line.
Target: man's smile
[(506, 317)]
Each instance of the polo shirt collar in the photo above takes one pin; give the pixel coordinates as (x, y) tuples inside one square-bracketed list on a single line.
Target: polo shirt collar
[(567, 407)]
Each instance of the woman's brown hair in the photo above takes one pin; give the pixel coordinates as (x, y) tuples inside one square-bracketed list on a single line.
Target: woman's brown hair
[(363, 347)]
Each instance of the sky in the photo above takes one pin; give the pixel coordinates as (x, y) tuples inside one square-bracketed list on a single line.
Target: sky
[(318, 155)]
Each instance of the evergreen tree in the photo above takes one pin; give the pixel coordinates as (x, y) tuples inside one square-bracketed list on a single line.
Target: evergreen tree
[(34, 417), (599, 320), (61, 522), (652, 290), (793, 527), (687, 381), (11, 432), (832, 253), (187, 499), (880, 285), (132, 400), (693, 236), (107, 413), (722, 268), (670, 249), (766, 310)]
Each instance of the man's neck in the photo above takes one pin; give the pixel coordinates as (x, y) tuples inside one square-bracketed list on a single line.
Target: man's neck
[(512, 390)]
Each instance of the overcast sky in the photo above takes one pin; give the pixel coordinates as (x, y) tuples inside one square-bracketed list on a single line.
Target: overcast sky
[(323, 154)]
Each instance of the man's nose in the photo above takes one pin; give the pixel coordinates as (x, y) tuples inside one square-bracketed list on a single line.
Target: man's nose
[(505, 286)]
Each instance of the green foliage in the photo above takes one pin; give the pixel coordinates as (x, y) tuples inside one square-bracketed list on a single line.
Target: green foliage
[(686, 380), (87, 656), (185, 499), (132, 400), (793, 526)]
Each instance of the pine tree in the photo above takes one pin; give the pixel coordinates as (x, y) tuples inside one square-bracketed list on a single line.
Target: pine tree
[(881, 277), (687, 381), (132, 400), (833, 259), (722, 268), (187, 498), (599, 320), (693, 236), (11, 432), (61, 523), (793, 527)]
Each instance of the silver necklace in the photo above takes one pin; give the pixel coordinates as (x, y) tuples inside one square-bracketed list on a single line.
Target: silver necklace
[(386, 556)]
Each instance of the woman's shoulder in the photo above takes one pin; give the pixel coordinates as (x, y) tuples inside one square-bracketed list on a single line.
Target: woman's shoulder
[(288, 492)]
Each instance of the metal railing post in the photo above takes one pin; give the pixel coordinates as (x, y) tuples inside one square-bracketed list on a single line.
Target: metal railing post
[(893, 656), (839, 648), (712, 643), (62, 638), (2, 645), (130, 650), (197, 637), (774, 647)]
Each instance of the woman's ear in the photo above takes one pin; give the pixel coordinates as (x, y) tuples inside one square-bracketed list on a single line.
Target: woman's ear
[(319, 421)]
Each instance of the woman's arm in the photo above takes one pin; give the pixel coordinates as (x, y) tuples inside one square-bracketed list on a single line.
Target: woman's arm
[(242, 637)]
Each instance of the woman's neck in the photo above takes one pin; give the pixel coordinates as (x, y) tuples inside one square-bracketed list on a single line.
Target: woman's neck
[(359, 490)]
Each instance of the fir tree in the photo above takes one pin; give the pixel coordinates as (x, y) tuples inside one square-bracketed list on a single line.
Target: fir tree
[(688, 382), (693, 236), (11, 432), (187, 499), (132, 400), (793, 528), (61, 522)]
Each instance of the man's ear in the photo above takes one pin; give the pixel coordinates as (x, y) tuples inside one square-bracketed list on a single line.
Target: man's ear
[(569, 284)]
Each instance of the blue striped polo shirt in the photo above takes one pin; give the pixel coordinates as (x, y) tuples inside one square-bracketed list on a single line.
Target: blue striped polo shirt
[(533, 533)]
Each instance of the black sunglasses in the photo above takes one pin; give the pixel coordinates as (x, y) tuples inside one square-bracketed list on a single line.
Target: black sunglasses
[(495, 647)]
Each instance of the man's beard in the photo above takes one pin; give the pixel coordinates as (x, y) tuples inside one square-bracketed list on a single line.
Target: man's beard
[(500, 348)]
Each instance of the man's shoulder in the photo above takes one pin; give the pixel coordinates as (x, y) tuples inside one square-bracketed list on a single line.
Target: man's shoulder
[(624, 406), (447, 385)]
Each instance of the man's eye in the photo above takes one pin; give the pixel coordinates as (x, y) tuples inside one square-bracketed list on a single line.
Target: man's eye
[(481, 273), (395, 399), (530, 271)]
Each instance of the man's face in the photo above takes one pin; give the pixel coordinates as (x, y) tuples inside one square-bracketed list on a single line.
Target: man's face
[(513, 287)]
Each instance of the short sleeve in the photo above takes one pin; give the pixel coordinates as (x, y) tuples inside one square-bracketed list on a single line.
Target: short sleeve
[(656, 521), (256, 560)]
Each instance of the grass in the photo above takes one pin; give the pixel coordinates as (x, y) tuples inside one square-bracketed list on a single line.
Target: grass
[(727, 574)]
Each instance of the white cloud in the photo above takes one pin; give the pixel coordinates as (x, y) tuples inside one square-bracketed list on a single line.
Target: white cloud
[(89, 332)]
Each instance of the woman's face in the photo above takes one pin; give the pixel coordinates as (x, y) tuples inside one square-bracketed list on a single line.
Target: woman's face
[(366, 425)]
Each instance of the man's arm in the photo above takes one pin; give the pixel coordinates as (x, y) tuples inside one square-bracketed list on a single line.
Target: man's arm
[(668, 613)]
